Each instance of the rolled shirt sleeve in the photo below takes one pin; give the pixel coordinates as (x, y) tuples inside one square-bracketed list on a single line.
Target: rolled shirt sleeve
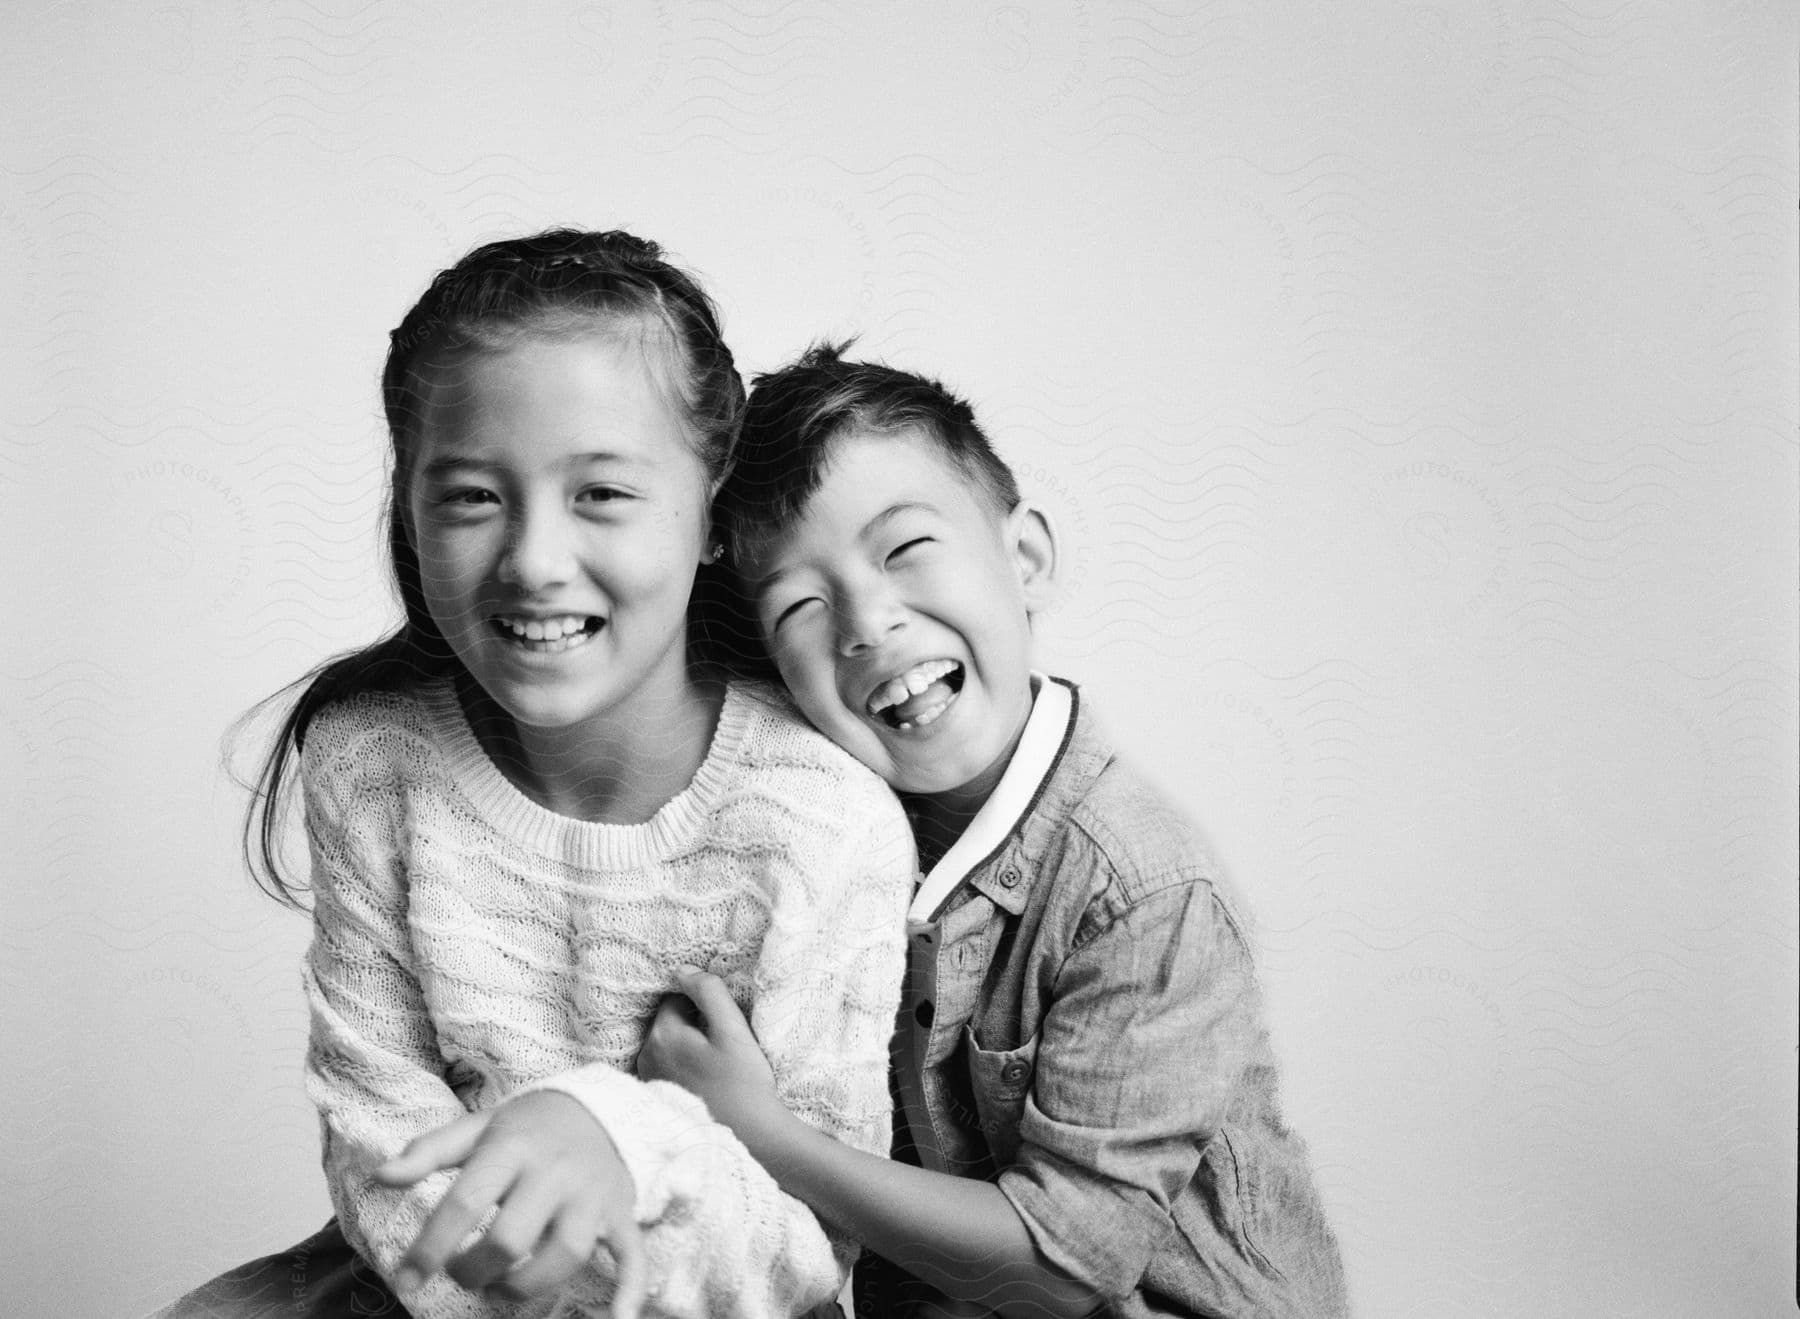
[(1140, 1055)]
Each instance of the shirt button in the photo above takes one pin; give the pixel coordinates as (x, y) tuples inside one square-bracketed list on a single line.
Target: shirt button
[(924, 1014), (1015, 1071), (1009, 877)]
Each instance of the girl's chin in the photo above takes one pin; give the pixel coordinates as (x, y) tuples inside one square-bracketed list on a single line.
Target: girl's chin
[(537, 701)]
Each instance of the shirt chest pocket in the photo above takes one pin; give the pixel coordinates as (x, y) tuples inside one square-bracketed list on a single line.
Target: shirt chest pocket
[(1001, 1081)]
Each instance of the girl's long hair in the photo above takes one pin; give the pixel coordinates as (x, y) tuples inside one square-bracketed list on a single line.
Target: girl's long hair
[(559, 283)]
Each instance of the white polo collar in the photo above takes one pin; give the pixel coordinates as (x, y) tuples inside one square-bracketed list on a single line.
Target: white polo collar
[(1046, 729)]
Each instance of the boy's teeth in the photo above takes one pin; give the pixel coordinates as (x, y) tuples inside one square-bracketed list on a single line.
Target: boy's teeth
[(926, 717), (914, 682)]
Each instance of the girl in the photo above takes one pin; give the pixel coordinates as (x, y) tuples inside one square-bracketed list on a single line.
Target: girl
[(535, 806)]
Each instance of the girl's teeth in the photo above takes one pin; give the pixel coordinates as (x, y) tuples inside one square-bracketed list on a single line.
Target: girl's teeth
[(550, 630)]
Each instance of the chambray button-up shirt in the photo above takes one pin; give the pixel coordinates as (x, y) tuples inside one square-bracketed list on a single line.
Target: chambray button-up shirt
[(1082, 1025)]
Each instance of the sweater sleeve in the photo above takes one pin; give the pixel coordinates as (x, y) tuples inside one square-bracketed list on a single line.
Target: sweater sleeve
[(724, 1239), (372, 1067)]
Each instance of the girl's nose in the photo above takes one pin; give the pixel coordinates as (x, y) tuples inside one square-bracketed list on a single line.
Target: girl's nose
[(867, 618), (539, 552)]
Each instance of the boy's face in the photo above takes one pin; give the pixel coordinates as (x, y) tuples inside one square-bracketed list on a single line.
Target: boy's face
[(896, 608)]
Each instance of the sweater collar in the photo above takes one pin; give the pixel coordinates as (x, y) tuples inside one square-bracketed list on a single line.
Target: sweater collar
[(590, 845)]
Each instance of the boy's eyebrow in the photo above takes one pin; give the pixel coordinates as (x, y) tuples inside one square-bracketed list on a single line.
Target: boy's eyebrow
[(892, 511), (756, 585)]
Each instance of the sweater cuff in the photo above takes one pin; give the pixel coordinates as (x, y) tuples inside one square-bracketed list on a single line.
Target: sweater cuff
[(648, 1122)]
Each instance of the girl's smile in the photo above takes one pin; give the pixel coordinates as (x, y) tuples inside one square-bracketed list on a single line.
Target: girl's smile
[(548, 636)]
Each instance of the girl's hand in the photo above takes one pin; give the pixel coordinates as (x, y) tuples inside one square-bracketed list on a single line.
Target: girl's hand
[(702, 1043), (560, 1187)]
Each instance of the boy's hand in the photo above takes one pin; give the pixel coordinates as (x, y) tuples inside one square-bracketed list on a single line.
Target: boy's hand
[(702, 1043), (559, 1185)]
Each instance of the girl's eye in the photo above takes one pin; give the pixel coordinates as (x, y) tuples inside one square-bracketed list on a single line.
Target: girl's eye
[(468, 496), (903, 548), (602, 494)]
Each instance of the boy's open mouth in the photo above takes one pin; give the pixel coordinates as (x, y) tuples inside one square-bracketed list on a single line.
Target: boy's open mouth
[(546, 636), (918, 696)]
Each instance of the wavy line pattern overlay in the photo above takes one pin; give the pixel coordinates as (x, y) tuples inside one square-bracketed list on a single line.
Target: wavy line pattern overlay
[(1414, 391)]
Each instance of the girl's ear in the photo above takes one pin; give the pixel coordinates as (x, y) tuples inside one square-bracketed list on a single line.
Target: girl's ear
[(400, 510), (1031, 540), (712, 545)]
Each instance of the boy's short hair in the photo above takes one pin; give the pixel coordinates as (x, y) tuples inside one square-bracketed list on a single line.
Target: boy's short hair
[(795, 415)]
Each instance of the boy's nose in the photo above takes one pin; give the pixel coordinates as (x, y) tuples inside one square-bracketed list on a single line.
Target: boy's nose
[(866, 621)]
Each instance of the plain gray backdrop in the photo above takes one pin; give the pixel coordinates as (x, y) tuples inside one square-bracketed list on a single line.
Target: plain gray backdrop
[(1414, 386)]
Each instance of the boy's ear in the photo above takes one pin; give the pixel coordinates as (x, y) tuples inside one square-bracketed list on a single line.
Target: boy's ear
[(1031, 540)]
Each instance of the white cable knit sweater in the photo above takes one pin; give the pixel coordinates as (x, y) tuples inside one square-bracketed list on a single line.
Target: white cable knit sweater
[(468, 944)]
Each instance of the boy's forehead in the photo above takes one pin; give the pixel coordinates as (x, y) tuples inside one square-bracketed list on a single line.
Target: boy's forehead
[(866, 476), (910, 464)]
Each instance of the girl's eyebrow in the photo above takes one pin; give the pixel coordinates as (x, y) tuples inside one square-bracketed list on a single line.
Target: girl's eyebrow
[(451, 463)]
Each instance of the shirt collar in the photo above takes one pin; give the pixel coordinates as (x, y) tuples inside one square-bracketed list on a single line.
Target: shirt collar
[(1041, 745)]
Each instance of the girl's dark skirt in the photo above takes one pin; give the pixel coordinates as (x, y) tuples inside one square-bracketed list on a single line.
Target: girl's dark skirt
[(321, 1278)]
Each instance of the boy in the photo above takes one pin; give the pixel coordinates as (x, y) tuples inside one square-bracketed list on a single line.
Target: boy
[(1086, 1113)]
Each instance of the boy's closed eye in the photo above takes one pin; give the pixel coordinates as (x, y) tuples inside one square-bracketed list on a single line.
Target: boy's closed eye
[(779, 607), (782, 612)]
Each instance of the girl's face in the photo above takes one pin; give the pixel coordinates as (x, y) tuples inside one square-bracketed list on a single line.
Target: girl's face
[(559, 516)]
